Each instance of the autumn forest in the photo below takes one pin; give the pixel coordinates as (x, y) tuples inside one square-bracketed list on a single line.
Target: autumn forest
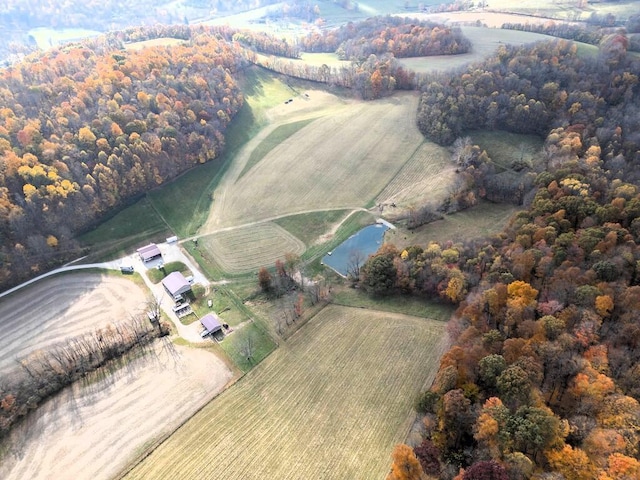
[(542, 374)]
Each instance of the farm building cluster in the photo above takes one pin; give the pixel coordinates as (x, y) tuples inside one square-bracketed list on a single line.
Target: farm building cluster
[(179, 289)]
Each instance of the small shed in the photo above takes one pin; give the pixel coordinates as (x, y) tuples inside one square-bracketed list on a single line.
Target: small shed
[(211, 323), (149, 252), (175, 284)]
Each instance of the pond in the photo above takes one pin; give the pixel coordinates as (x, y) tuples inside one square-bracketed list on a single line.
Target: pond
[(356, 249)]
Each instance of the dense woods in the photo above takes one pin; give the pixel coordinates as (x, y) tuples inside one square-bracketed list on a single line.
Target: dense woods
[(402, 37), (543, 372), (82, 131)]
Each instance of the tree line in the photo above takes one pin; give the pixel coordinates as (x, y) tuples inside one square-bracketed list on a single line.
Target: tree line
[(542, 377), (402, 37), (44, 373)]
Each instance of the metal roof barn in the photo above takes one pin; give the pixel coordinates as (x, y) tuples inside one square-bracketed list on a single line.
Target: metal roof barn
[(176, 284)]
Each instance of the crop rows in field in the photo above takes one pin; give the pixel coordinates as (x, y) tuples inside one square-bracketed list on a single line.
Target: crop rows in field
[(52, 310), (338, 161), (423, 179), (329, 404), (249, 248)]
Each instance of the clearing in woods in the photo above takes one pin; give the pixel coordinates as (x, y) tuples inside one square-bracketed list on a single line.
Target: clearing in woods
[(342, 160), (330, 404)]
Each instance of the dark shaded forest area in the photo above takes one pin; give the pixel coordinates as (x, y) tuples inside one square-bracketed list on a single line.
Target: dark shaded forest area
[(543, 372)]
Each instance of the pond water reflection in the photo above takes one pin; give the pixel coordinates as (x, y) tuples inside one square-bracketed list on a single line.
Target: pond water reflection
[(356, 249)]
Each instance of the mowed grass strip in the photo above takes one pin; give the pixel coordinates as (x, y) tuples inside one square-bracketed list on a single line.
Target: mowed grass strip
[(249, 248), (279, 135), (331, 403), (339, 161)]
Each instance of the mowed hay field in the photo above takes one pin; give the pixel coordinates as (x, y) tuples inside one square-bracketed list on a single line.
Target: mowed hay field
[(340, 160), (330, 403), (424, 179), (248, 248), (59, 307)]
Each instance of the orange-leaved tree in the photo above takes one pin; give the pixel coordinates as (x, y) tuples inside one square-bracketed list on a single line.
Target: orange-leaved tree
[(405, 464)]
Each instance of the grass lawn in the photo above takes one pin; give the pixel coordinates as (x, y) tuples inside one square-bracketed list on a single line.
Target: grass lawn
[(131, 227), (331, 403), (308, 227), (156, 275), (248, 338), (407, 305)]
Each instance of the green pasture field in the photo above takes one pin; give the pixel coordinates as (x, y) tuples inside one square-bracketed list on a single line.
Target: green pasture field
[(329, 404), (275, 138), (185, 202), (309, 227), (406, 305), (129, 228), (247, 249), (483, 220), (182, 205)]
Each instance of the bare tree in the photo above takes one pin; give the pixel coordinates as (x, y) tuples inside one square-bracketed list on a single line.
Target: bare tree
[(354, 263), (247, 346)]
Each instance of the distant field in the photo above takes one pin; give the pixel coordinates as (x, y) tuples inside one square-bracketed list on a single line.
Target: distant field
[(247, 249), (164, 42), (485, 42), (330, 404), (485, 219)]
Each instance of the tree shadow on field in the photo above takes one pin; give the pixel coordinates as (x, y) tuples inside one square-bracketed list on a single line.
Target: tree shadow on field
[(252, 82), (155, 357)]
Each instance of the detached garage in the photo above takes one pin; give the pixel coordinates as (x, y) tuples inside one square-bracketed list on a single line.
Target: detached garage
[(175, 284), (150, 252), (211, 323)]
